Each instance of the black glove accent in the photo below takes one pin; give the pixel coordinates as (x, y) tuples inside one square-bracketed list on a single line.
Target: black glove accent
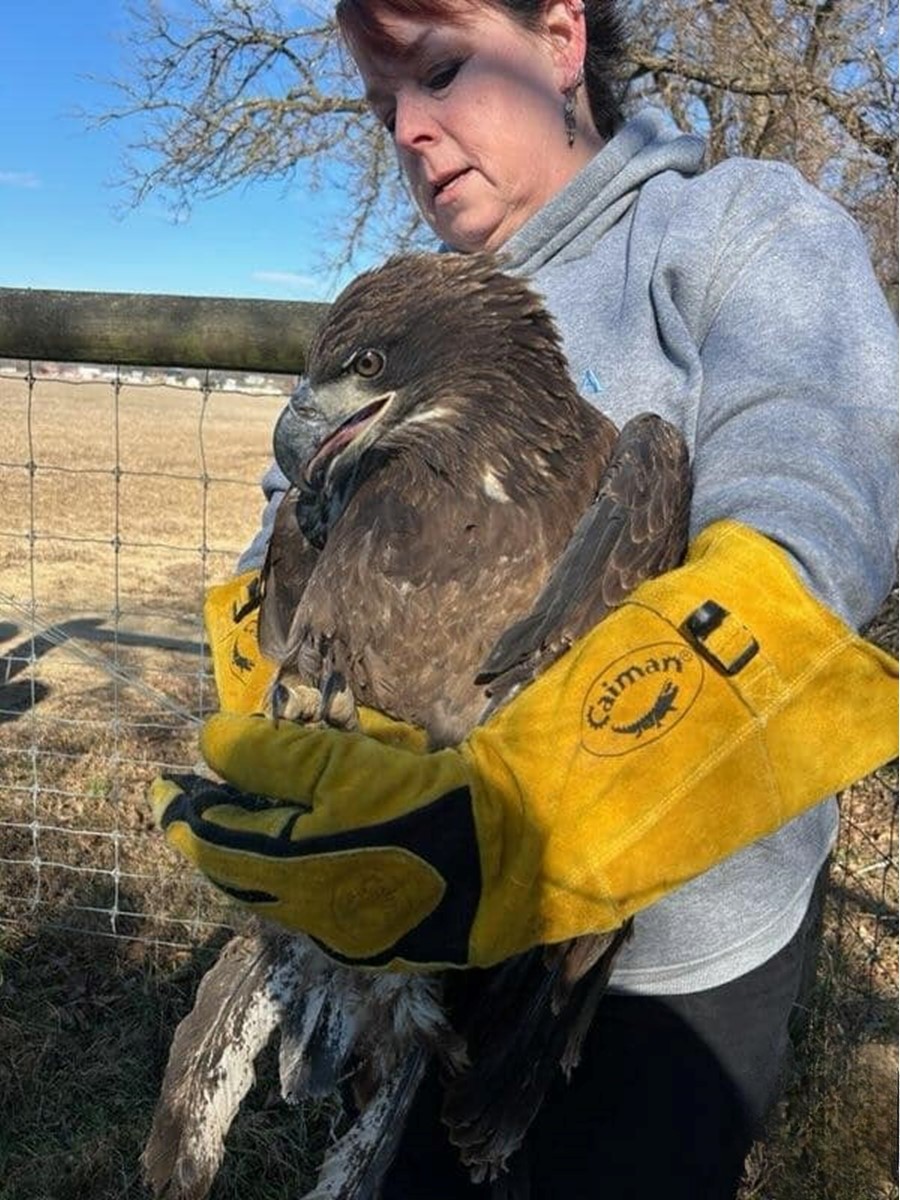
[(442, 833)]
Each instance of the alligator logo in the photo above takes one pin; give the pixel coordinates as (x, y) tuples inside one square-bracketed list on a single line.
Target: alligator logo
[(638, 698)]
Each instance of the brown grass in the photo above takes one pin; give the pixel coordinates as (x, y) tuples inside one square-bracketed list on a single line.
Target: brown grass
[(113, 520)]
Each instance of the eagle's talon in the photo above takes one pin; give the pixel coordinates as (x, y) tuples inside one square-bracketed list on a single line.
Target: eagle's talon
[(338, 708), (332, 705), (295, 701)]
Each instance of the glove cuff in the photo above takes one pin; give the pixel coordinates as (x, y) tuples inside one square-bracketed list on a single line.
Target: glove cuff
[(231, 616), (716, 705)]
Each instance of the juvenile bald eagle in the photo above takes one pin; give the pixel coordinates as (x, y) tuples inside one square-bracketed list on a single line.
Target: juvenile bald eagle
[(458, 516)]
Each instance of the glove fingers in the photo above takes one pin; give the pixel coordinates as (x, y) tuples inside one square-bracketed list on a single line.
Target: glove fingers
[(358, 775), (201, 803), (355, 899)]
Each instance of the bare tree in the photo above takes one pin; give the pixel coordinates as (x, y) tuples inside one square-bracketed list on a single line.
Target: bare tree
[(222, 92), (810, 82)]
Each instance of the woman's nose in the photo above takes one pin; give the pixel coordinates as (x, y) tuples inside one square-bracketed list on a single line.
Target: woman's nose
[(414, 127)]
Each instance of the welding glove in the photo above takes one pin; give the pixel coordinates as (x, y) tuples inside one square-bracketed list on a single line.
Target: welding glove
[(231, 617), (717, 703)]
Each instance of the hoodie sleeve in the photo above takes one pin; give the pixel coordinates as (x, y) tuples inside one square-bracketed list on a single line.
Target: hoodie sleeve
[(797, 425), (274, 485)]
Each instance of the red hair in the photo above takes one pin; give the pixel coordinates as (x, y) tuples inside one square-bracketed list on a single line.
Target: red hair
[(362, 21), (362, 24)]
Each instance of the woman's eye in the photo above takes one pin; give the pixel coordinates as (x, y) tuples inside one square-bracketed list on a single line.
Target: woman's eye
[(442, 76), (368, 363)]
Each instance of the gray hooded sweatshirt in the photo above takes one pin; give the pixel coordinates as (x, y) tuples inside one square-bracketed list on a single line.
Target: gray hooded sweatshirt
[(739, 304)]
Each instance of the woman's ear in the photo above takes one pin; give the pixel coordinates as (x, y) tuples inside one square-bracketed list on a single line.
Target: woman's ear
[(564, 25)]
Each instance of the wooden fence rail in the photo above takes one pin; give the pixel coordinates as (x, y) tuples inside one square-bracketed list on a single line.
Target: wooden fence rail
[(175, 331)]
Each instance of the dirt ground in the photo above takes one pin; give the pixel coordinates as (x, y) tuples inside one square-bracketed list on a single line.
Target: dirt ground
[(118, 507)]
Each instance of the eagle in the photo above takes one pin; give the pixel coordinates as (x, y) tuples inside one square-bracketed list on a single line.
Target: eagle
[(458, 515)]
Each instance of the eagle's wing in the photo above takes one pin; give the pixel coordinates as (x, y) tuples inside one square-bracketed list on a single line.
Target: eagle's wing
[(523, 1021), (289, 562), (635, 529), (528, 1017)]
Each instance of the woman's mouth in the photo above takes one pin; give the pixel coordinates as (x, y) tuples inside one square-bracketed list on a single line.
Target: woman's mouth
[(446, 188)]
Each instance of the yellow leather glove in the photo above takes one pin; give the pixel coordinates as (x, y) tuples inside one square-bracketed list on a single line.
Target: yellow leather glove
[(718, 703), (231, 617)]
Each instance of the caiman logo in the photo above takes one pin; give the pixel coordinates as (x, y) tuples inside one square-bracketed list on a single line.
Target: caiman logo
[(639, 697), (243, 648)]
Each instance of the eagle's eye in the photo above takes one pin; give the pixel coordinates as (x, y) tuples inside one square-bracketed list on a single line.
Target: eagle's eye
[(368, 363)]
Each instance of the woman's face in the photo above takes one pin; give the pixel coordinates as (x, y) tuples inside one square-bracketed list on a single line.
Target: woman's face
[(475, 108)]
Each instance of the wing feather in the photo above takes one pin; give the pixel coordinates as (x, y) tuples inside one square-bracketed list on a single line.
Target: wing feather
[(289, 563), (635, 529), (523, 1021)]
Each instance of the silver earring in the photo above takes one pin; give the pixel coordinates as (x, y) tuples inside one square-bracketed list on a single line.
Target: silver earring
[(570, 94)]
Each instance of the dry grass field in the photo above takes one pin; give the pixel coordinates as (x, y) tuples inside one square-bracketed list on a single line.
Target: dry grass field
[(118, 506)]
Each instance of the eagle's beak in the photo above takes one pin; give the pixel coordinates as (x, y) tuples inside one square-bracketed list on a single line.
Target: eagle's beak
[(349, 431), (351, 414), (298, 431), (320, 424)]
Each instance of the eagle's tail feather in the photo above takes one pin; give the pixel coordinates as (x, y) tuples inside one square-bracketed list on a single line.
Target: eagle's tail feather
[(210, 1070), (354, 1167), (297, 1029)]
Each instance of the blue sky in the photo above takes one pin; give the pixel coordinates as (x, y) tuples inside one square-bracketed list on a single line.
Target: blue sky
[(62, 223)]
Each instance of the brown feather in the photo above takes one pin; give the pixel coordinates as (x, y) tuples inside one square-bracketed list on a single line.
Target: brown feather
[(635, 529), (290, 560)]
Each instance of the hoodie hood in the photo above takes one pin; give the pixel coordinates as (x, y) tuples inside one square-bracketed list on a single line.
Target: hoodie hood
[(602, 192)]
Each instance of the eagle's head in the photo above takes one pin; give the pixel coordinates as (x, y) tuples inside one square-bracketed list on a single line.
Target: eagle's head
[(423, 345)]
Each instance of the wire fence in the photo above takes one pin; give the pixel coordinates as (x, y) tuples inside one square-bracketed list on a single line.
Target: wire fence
[(125, 491), (123, 494)]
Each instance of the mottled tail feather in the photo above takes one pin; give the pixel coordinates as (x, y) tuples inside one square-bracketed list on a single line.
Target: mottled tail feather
[(319, 1035), (210, 1070), (354, 1167), (297, 1029)]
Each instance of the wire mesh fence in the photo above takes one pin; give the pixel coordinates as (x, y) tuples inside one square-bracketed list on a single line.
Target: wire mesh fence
[(123, 495), (124, 492)]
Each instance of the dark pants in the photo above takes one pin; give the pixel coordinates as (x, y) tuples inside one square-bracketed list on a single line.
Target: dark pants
[(669, 1096)]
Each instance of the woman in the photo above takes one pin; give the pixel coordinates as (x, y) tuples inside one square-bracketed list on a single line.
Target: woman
[(739, 304)]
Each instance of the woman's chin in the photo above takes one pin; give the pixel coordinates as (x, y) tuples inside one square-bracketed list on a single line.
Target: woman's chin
[(468, 236)]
